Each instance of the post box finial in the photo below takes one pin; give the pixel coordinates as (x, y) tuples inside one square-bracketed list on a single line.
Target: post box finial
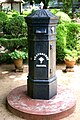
[(41, 5)]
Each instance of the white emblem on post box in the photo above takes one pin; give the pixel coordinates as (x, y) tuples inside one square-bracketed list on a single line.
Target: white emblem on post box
[(53, 29), (41, 57)]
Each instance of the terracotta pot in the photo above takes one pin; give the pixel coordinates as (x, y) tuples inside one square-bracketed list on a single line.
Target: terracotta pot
[(18, 63), (70, 63)]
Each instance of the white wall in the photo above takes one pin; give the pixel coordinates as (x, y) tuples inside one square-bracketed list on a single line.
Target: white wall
[(6, 5), (16, 7)]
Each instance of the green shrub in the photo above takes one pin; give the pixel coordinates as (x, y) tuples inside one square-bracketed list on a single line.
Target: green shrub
[(15, 33), (1, 25), (3, 20), (61, 42), (73, 31), (27, 12), (16, 26), (68, 37), (5, 58), (3, 17), (54, 11), (67, 4), (73, 37), (63, 17), (16, 54), (10, 45), (14, 43), (71, 55), (12, 13)]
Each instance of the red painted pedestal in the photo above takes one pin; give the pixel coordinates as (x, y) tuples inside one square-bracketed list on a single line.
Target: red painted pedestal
[(59, 106)]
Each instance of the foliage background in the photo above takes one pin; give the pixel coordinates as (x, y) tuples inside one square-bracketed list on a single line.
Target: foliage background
[(14, 28), (14, 36)]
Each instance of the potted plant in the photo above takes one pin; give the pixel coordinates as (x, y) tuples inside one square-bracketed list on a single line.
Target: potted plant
[(70, 58), (18, 57)]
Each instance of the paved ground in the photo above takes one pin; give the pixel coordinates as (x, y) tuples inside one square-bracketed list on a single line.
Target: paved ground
[(10, 80)]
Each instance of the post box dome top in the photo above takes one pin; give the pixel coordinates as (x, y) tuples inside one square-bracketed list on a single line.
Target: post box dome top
[(43, 13), (42, 16)]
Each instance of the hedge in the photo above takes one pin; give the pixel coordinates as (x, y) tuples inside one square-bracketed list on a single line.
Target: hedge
[(10, 45), (68, 36), (14, 43)]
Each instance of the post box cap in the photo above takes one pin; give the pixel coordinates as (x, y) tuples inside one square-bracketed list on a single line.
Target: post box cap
[(43, 13)]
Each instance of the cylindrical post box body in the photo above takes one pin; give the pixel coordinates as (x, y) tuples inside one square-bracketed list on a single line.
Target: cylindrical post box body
[(42, 83)]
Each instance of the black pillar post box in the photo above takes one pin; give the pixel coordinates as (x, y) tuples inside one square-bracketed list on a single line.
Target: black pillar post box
[(42, 83)]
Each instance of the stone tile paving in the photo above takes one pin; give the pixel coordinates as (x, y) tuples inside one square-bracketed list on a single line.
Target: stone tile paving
[(71, 80), (10, 80)]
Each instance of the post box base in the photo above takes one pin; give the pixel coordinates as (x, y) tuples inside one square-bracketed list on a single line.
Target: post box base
[(42, 89), (58, 107)]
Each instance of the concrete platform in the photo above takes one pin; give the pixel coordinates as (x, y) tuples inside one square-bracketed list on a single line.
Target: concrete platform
[(59, 106)]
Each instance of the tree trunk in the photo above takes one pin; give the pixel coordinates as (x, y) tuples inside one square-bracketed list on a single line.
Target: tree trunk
[(45, 2)]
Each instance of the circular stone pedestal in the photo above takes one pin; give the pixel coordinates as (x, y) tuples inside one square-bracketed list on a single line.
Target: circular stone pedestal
[(59, 106)]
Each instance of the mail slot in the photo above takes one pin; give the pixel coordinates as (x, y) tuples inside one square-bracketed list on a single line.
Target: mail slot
[(42, 82), (41, 30)]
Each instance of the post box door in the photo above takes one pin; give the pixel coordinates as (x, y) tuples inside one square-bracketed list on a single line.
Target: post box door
[(38, 56)]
